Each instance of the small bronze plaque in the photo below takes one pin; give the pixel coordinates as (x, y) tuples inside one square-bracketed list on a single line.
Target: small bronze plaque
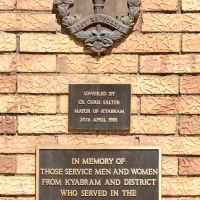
[(99, 107), (98, 174)]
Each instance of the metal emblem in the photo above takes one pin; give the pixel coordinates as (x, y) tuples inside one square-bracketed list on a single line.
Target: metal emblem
[(98, 31)]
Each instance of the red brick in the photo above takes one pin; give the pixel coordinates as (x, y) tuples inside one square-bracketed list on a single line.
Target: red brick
[(190, 125), (7, 4), (8, 42), (25, 198), (154, 84), (169, 166), (172, 145), (134, 43), (93, 140), (17, 185), (26, 164), (153, 125), (159, 5), (170, 105), (191, 43), (23, 145), (7, 198), (140, 43), (180, 198), (171, 22), (86, 64), (7, 84), (59, 84), (190, 84), (190, 5), (162, 23), (27, 104), (8, 124), (27, 22), (48, 124), (27, 63), (189, 166), (34, 4), (181, 186), (170, 64), (7, 164)]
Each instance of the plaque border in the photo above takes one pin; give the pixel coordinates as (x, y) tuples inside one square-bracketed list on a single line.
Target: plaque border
[(99, 147)]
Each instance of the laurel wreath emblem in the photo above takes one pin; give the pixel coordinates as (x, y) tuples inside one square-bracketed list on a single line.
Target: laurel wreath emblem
[(98, 40)]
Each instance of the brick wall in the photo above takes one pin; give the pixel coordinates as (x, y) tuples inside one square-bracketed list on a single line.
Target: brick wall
[(161, 60)]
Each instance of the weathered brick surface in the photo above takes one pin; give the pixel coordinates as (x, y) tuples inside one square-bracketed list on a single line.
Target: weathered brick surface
[(59, 84), (25, 164), (7, 41), (27, 63), (63, 104), (42, 124), (27, 22), (7, 84), (173, 145), (181, 186), (135, 104), (56, 125), (7, 198), (190, 125), (191, 43), (150, 43), (134, 43), (181, 198), (160, 60), (84, 64), (159, 5), (5, 63), (48, 43), (26, 198), (85, 140), (153, 125), (8, 124), (22, 144), (189, 166), (190, 84), (35, 5), (190, 5), (162, 23), (17, 185), (171, 22), (169, 166), (7, 5), (27, 104), (154, 85), (170, 105), (7, 164), (170, 64)]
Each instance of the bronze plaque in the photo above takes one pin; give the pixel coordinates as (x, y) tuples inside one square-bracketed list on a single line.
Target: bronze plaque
[(98, 174), (98, 23), (99, 107)]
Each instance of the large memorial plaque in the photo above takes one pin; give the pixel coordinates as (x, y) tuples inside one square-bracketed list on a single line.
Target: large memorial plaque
[(98, 174), (99, 107)]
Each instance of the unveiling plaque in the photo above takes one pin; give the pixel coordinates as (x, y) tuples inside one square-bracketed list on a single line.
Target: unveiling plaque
[(98, 174), (99, 107)]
